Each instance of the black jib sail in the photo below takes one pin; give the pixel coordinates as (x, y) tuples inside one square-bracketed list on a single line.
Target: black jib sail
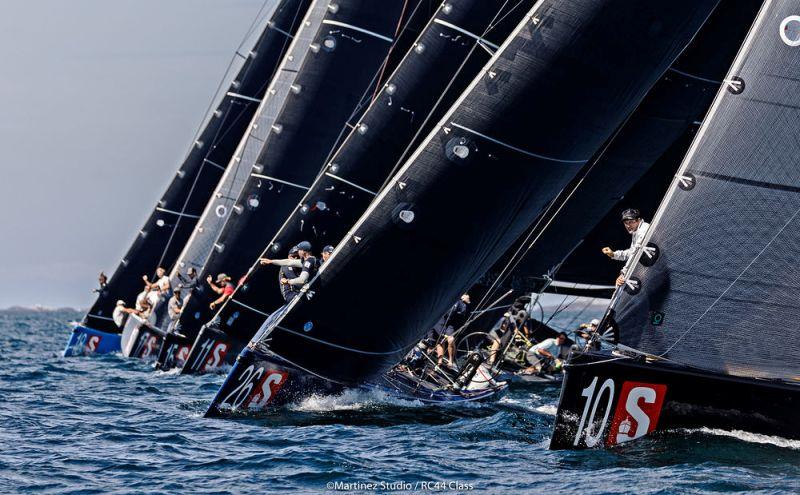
[(456, 43), (633, 170), (341, 61), (711, 295), (161, 239), (543, 106)]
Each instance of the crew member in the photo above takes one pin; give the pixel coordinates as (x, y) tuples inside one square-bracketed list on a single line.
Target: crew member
[(637, 228), (546, 351), (120, 314), (502, 332), (587, 330), (326, 253), (102, 280), (174, 308), (223, 287), (307, 264), (161, 283), (447, 327), (189, 282)]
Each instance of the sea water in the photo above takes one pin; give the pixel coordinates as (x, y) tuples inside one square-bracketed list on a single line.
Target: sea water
[(103, 424)]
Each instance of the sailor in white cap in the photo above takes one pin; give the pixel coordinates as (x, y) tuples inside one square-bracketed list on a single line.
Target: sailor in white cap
[(120, 314)]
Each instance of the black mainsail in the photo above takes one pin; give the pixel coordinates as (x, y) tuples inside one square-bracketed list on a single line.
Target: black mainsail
[(633, 170), (458, 40), (161, 239), (339, 54), (704, 311), (546, 102)]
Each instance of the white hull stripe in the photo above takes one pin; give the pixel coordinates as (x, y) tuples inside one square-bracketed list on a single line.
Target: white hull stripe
[(177, 213), (249, 307), (281, 181), (332, 176), (101, 317), (690, 76), (360, 30), (511, 147), (464, 31), (243, 97)]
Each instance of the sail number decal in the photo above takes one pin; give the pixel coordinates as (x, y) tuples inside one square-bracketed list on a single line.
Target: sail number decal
[(637, 412), (148, 343), (256, 387), (85, 344), (211, 355)]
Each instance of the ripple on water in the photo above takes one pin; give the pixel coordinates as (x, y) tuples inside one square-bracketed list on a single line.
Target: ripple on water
[(104, 424)]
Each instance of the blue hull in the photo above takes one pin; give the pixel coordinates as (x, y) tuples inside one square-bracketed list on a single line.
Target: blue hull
[(85, 341)]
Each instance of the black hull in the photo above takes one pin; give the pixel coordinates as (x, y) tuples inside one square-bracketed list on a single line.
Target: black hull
[(212, 351), (648, 397), (260, 381)]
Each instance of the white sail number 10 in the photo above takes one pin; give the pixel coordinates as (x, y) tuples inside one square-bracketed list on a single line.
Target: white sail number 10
[(636, 415)]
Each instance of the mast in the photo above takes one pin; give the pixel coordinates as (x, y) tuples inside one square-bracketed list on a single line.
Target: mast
[(174, 217), (458, 40), (549, 98), (717, 285), (329, 71)]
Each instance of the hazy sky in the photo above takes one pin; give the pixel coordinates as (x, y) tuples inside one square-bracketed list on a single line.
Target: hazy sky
[(99, 101)]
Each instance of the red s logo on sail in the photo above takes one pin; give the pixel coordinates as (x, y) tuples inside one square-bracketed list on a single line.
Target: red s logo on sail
[(638, 410)]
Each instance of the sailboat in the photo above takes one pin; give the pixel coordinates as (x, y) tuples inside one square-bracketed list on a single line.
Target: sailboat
[(173, 219), (520, 132), (561, 254), (457, 41), (330, 65), (705, 313)]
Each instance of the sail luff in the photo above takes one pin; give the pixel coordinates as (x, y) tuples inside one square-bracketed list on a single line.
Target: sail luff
[(166, 228)]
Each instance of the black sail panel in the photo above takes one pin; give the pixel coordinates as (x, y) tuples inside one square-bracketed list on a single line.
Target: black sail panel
[(722, 291), (634, 169), (430, 77), (538, 111), (165, 232), (345, 56)]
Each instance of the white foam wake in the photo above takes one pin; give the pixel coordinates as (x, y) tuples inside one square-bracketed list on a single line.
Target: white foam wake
[(351, 400), (747, 436)]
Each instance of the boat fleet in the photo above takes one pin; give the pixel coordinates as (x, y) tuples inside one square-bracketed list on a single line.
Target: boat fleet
[(386, 195)]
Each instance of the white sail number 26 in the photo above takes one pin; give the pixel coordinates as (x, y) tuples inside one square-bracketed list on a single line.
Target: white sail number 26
[(242, 391), (587, 428)]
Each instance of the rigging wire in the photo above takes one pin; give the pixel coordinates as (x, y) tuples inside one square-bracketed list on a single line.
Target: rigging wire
[(218, 137), (423, 127)]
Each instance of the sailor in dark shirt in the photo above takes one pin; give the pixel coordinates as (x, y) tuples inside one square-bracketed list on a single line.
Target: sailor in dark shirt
[(326, 253), (306, 263), (287, 272), (189, 282), (448, 326), (500, 335)]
